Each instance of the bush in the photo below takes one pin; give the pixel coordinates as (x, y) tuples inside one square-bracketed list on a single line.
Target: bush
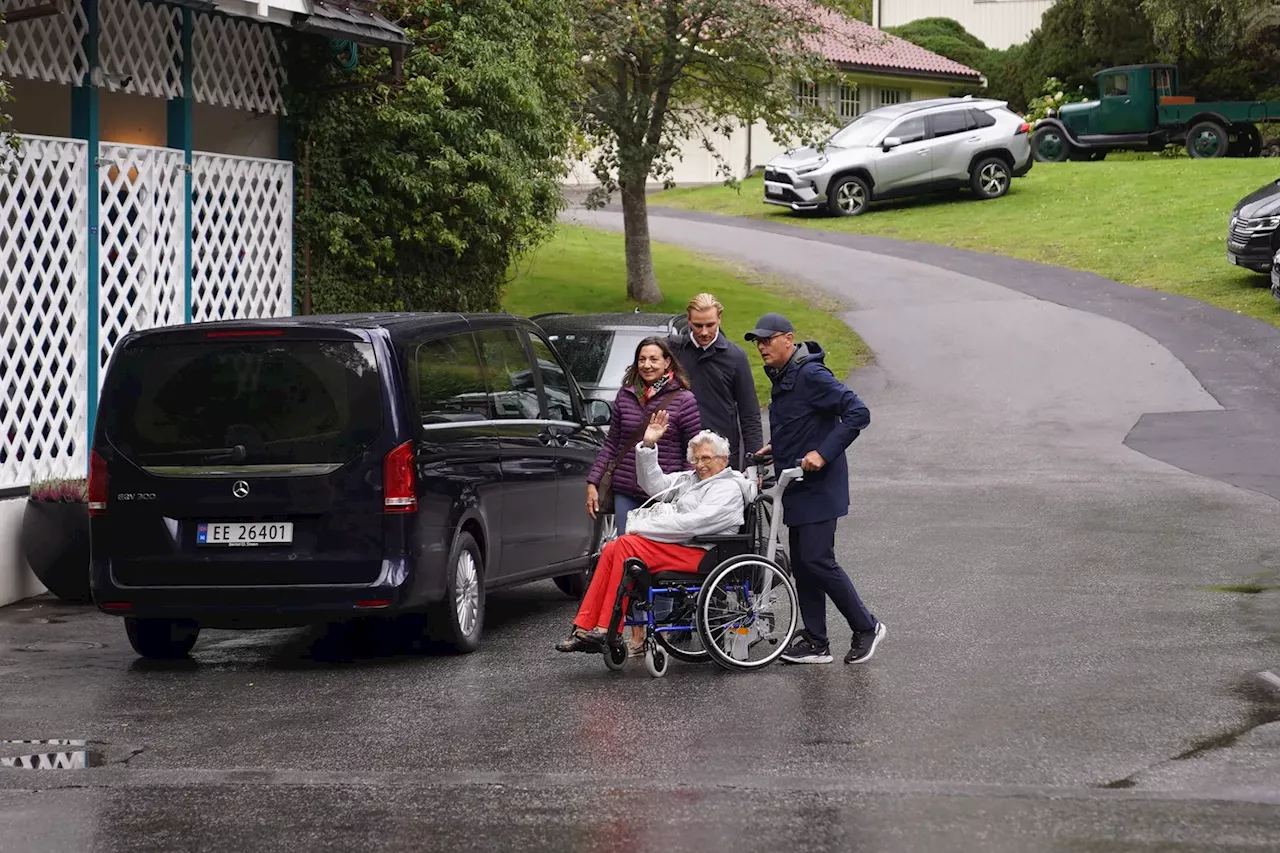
[(1052, 96), (424, 193)]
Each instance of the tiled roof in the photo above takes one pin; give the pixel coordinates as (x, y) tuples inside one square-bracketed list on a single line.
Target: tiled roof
[(850, 42)]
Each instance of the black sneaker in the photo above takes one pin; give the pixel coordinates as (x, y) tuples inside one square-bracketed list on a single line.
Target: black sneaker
[(805, 650), (864, 644)]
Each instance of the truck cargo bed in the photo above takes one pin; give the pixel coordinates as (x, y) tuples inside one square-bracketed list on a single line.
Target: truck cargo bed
[(1255, 112)]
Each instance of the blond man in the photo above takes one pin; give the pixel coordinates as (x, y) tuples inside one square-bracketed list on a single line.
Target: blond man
[(720, 377)]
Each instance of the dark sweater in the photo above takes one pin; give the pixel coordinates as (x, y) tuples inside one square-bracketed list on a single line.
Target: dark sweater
[(720, 377)]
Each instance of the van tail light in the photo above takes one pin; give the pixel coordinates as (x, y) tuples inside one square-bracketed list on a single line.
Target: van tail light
[(399, 483), (97, 484), (244, 333), (1025, 127)]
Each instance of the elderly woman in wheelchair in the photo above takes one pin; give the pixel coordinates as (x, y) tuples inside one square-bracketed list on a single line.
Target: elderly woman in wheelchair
[(695, 553)]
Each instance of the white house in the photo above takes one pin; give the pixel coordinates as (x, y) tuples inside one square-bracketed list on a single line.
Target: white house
[(876, 69), (998, 23), (154, 187)]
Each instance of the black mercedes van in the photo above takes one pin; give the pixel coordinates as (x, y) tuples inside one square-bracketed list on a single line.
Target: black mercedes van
[(270, 473)]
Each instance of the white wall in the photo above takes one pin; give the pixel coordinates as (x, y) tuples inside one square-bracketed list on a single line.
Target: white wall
[(695, 165), (16, 580), (999, 23)]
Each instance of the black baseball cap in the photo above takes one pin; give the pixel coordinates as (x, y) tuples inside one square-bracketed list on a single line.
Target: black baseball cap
[(769, 325)]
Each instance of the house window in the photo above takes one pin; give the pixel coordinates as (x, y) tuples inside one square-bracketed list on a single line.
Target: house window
[(850, 107), (894, 96), (806, 96)]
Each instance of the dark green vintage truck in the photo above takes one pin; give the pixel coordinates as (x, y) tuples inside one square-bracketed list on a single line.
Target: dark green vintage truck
[(1140, 109)]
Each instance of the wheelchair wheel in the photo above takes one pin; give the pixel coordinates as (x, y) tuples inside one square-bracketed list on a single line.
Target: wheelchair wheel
[(747, 612), (684, 646), (615, 655), (656, 660)]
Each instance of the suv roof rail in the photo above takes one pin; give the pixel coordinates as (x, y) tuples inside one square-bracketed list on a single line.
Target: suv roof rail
[(550, 314)]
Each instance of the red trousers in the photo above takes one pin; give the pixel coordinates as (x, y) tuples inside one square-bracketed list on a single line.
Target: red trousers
[(597, 604)]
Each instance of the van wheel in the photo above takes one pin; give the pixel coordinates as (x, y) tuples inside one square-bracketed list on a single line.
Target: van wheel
[(848, 196), (458, 620), (990, 178), (575, 585), (161, 639)]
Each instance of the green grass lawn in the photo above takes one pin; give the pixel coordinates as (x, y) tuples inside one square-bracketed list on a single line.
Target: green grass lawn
[(1156, 223), (582, 270)]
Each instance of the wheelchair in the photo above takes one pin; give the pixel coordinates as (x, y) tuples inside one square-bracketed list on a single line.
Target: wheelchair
[(739, 609)]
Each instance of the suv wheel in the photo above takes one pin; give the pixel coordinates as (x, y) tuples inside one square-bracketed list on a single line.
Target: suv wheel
[(458, 619), (848, 196), (990, 178), (161, 639), (575, 585)]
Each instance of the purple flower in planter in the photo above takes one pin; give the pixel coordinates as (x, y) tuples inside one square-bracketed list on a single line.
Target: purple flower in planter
[(67, 490)]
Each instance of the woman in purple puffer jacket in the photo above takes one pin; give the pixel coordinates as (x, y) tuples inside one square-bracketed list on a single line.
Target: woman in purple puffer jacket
[(654, 376)]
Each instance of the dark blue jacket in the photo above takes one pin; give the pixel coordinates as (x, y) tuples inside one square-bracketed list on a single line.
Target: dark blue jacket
[(812, 410)]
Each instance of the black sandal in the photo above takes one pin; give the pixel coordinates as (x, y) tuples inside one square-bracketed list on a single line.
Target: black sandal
[(581, 641)]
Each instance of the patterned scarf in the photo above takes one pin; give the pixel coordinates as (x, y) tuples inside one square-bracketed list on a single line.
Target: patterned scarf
[(648, 393)]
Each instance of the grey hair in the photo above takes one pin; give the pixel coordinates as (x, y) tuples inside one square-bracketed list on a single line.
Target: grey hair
[(718, 443)]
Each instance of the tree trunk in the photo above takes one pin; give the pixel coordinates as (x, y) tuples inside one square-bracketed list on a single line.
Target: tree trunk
[(642, 286)]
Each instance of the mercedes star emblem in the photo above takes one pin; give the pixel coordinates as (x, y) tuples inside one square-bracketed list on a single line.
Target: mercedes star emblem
[(240, 489)]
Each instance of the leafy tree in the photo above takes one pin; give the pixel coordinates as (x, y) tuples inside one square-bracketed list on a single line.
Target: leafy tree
[(945, 37), (660, 72), (12, 144), (419, 194), (859, 10), (1187, 28)]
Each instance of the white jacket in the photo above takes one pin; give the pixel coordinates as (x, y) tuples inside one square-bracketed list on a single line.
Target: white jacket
[(686, 506)]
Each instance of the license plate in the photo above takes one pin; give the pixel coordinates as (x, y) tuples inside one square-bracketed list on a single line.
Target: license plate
[(1231, 258), (246, 533)]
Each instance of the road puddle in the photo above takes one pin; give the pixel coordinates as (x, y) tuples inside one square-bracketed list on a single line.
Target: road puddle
[(29, 755)]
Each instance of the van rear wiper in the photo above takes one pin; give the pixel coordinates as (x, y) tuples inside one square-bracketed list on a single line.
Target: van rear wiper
[(210, 454)]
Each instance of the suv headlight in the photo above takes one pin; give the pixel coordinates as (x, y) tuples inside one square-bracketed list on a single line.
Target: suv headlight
[(1269, 223), (811, 167)]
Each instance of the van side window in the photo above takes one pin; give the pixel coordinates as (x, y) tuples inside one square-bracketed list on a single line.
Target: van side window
[(555, 384), (512, 392), (451, 382)]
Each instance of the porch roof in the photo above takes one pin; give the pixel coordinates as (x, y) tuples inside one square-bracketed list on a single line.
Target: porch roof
[(355, 20)]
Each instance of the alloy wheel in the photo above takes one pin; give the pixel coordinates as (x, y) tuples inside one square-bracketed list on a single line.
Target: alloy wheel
[(850, 197), (467, 592), (993, 179)]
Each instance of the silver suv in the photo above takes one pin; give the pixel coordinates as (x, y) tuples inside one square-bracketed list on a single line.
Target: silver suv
[(905, 149)]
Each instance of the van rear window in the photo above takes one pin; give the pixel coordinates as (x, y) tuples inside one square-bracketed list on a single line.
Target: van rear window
[(243, 404)]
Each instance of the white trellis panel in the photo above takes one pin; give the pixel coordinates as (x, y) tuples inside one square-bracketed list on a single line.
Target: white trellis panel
[(140, 223), (141, 41), (237, 64), (49, 49), (241, 238), (43, 324)]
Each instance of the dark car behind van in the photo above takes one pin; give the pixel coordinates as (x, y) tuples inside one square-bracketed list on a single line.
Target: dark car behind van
[(315, 469)]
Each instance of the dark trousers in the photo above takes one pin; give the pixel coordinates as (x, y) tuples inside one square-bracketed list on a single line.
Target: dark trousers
[(818, 576)]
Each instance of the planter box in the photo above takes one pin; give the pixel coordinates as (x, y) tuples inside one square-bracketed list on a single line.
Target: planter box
[(55, 539)]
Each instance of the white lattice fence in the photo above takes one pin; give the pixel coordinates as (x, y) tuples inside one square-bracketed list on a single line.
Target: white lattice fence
[(140, 223), (49, 49), (141, 42), (236, 64), (43, 328), (242, 238)]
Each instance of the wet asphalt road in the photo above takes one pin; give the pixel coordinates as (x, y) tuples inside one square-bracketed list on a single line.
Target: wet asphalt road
[(1057, 674)]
